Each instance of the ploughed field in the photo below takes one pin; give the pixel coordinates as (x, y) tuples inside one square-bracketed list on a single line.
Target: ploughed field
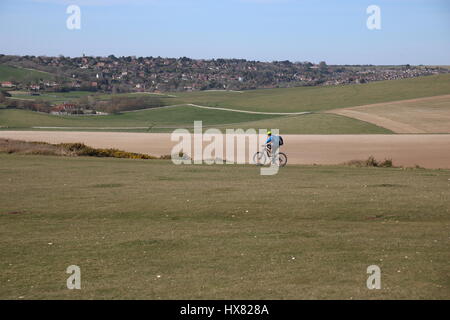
[(424, 150)]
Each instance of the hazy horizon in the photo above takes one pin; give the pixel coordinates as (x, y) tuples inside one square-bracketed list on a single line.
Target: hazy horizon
[(232, 58)]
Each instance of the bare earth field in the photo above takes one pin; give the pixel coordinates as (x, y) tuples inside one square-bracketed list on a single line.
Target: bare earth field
[(425, 150), (424, 115)]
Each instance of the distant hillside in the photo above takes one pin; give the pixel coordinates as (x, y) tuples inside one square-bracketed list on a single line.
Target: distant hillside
[(321, 98), (9, 73), (157, 74), (300, 99)]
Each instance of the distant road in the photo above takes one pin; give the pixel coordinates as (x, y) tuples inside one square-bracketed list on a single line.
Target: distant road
[(426, 150)]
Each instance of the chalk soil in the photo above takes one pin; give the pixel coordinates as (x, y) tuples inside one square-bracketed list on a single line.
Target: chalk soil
[(426, 150)]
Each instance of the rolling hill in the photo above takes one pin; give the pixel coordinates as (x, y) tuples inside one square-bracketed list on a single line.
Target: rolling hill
[(9, 73), (425, 115), (301, 99), (320, 98)]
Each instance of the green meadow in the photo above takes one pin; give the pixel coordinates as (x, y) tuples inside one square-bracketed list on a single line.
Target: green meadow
[(169, 116), (9, 73), (148, 229), (321, 98), (167, 119)]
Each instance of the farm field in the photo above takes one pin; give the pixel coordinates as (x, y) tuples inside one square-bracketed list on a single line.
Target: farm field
[(425, 150), (320, 98), (425, 115), (295, 99), (317, 100), (60, 97), (314, 123), (153, 230), (168, 118), (224, 159), (8, 73), (52, 97)]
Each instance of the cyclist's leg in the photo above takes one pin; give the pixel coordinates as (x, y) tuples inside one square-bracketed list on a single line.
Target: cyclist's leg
[(269, 150), (275, 153)]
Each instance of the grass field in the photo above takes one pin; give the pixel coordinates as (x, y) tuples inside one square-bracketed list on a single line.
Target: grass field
[(292, 99), (315, 99), (321, 98), (52, 97), (174, 116), (426, 115), (59, 97), (166, 119), (150, 229), (315, 123), (8, 73)]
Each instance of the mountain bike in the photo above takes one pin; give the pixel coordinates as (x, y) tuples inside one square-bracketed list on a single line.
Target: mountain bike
[(265, 157)]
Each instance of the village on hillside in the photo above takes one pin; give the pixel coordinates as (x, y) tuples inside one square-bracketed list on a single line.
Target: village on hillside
[(156, 74)]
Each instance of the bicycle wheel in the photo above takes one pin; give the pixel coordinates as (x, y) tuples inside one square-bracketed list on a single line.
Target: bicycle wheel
[(260, 158), (281, 159)]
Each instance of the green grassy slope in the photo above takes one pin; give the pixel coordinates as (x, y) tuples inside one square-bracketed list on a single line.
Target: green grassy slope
[(322, 98), (58, 97), (153, 230), (173, 116), (294, 99), (316, 123), (53, 97), (272, 100), (184, 116), (8, 73)]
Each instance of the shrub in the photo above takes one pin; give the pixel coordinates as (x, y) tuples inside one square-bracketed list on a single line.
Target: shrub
[(68, 149), (371, 162), (387, 163)]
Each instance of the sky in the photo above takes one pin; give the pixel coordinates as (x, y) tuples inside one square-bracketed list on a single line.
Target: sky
[(412, 31)]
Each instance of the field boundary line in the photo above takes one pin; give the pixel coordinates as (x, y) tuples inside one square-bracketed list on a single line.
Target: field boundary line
[(172, 106), (252, 112), (222, 109), (395, 126), (391, 102), (93, 128)]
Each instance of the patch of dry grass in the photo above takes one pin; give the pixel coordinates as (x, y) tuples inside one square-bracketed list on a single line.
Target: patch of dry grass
[(371, 162), (23, 147), (68, 149)]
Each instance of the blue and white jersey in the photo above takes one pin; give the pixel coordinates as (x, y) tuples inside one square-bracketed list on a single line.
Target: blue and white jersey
[(274, 139)]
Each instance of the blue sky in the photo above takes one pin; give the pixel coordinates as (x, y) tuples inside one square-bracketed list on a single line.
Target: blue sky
[(413, 31)]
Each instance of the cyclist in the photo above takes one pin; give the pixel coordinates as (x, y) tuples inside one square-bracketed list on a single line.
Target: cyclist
[(271, 146), (272, 140)]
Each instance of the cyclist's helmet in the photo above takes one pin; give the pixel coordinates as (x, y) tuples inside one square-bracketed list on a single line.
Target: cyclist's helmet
[(269, 133)]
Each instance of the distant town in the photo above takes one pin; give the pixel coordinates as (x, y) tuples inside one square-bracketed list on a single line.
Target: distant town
[(156, 74)]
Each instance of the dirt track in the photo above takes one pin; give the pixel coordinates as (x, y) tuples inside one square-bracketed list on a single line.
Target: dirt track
[(426, 150)]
